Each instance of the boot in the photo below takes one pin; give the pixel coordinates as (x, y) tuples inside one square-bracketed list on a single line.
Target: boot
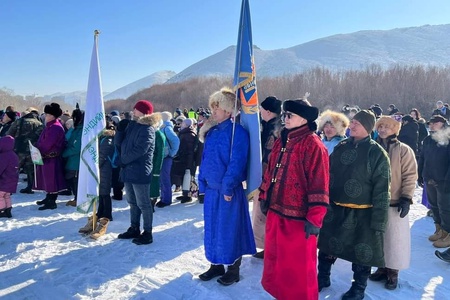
[(43, 201), (26, 191), (100, 230), (359, 284), (379, 275), (71, 203), (437, 234), (184, 199), (213, 271), (88, 228), (443, 242), (392, 279), (259, 254), (324, 268), (51, 202), (144, 239), (232, 274), (131, 233), (445, 255), (6, 213)]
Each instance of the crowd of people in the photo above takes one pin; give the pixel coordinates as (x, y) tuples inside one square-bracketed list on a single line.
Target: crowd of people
[(336, 184)]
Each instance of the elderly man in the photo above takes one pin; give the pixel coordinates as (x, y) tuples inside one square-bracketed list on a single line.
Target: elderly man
[(354, 226), (434, 172)]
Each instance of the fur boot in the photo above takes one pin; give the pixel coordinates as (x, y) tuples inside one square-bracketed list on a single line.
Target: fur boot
[(88, 228), (443, 242), (100, 230), (437, 234)]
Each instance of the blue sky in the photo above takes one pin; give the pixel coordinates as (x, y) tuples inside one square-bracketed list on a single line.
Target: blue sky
[(45, 46)]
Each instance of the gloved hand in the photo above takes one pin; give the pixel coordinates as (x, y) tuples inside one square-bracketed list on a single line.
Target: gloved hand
[(420, 181), (310, 229), (403, 206)]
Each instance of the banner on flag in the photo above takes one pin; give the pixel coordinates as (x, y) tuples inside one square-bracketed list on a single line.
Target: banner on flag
[(94, 123), (244, 84)]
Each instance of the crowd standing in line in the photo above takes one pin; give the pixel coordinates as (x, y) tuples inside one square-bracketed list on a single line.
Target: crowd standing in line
[(359, 209)]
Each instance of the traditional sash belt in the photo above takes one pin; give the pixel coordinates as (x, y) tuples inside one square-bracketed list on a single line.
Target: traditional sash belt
[(352, 205)]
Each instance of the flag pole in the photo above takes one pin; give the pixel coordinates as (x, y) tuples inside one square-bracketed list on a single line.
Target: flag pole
[(94, 204)]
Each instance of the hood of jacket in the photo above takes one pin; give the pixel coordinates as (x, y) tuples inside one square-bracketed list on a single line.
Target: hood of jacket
[(149, 120), (6, 144)]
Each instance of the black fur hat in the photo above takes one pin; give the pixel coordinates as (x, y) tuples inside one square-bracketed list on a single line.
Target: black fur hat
[(53, 109), (77, 116), (272, 104)]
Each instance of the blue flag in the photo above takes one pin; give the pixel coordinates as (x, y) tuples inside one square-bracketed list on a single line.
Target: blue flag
[(244, 84)]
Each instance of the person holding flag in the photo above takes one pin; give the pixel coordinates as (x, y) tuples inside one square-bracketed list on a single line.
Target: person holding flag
[(228, 229)]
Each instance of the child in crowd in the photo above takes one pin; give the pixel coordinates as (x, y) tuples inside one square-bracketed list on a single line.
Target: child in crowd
[(9, 174)]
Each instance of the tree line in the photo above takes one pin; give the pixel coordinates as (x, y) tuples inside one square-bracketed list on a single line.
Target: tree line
[(405, 86)]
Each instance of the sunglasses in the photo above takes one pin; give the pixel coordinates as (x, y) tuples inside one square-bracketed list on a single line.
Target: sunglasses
[(285, 115)]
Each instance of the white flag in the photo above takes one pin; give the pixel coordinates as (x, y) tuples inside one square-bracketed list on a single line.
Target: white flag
[(94, 123)]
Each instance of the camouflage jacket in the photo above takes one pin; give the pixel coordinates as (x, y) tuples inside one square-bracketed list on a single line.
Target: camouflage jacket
[(27, 128)]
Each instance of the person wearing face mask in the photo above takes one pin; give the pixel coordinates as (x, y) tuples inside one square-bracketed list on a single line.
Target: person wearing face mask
[(397, 238), (333, 125), (294, 194)]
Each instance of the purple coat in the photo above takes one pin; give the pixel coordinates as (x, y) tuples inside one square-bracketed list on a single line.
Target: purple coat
[(9, 165), (51, 143)]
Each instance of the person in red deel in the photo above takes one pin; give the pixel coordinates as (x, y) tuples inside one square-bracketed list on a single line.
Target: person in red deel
[(296, 185)]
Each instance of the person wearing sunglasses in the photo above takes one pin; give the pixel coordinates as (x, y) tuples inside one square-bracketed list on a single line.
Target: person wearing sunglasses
[(294, 193)]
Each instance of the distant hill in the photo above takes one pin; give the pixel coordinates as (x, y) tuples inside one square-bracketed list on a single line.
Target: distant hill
[(146, 82), (425, 45)]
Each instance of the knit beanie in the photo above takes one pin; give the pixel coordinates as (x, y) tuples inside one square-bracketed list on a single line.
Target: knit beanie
[(367, 119), (272, 104), (144, 107)]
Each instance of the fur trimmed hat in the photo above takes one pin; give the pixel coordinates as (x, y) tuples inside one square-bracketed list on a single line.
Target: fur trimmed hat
[(272, 104), (144, 106), (367, 119), (224, 99), (337, 119), (302, 108), (390, 122), (53, 109)]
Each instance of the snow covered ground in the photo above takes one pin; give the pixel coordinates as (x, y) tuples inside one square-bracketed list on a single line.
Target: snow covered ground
[(42, 256)]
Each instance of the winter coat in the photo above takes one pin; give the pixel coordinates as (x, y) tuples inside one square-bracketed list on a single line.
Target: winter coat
[(51, 143), (359, 200), (269, 133), (434, 160), (137, 144), (297, 177), (158, 158), (409, 134), (105, 155), (73, 149), (4, 129), (186, 152), (27, 128), (330, 144), (423, 132), (172, 140), (296, 182), (9, 165), (397, 238), (228, 230)]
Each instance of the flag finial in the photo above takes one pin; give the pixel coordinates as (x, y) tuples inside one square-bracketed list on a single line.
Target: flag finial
[(96, 32)]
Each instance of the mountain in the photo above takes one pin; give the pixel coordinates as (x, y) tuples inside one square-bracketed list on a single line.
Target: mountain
[(146, 82), (425, 45)]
